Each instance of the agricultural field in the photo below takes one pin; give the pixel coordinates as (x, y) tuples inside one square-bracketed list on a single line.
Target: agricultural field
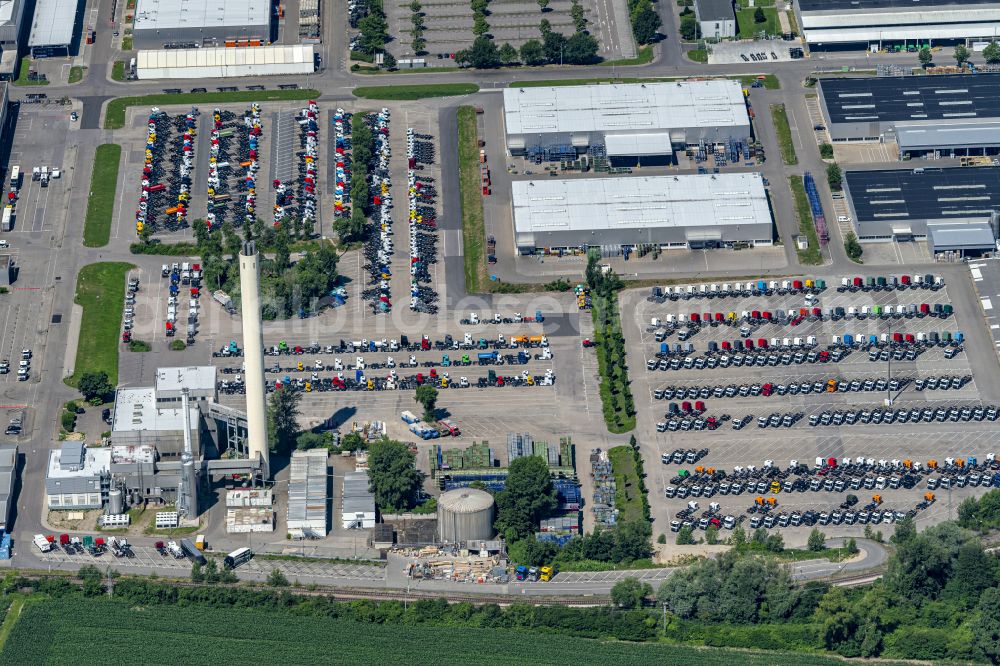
[(60, 631)]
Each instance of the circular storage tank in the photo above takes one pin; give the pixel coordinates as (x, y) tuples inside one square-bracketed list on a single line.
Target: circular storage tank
[(465, 514), (116, 502)]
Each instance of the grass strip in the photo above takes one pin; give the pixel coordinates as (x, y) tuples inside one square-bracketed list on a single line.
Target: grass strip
[(415, 92), (784, 131), (473, 222), (100, 290), (770, 81), (811, 256), (118, 70), (101, 201), (22, 74), (617, 403), (628, 495), (114, 117), (75, 74), (643, 56)]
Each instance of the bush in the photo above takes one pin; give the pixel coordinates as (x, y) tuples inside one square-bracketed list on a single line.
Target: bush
[(826, 151), (68, 421), (852, 247), (178, 345), (139, 346)]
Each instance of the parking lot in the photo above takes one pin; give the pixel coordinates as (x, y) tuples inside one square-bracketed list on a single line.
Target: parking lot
[(808, 418), (448, 26)]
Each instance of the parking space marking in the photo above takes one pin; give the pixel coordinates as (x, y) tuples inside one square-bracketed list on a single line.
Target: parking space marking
[(987, 303)]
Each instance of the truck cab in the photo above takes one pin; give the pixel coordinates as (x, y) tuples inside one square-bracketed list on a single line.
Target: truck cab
[(545, 574)]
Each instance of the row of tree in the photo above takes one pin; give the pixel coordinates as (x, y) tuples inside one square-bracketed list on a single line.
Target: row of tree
[(991, 54), (353, 227), (553, 48)]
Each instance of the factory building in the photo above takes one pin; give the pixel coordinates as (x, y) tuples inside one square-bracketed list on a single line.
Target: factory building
[(949, 115), (717, 18), (358, 506), (631, 123), (77, 477), (12, 31), (673, 212), (954, 209), (8, 477), (54, 28), (881, 24), (194, 24), (307, 496), (224, 62)]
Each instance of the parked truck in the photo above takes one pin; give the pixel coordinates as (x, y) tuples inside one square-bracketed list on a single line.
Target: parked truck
[(8, 218), (409, 418), (43, 543), (424, 431), (192, 552)]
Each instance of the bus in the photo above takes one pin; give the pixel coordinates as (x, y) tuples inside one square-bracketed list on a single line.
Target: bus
[(237, 557)]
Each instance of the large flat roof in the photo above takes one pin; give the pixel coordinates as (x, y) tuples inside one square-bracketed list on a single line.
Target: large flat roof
[(192, 14), (913, 137), (912, 98), (973, 236), (909, 5), (915, 31), (135, 410), (194, 378), (960, 193), (625, 107), (53, 23), (715, 10), (585, 204)]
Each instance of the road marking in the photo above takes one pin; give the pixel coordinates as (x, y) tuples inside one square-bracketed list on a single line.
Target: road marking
[(977, 274), (987, 303)]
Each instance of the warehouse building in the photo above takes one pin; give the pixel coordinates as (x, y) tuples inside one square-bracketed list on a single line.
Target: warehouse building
[(8, 477), (717, 18), (224, 62), (307, 496), (879, 24), (77, 477), (12, 31), (632, 123), (194, 24), (358, 507), (54, 28), (945, 115), (685, 211), (954, 209)]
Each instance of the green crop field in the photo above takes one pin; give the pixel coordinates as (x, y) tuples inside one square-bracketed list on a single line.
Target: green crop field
[(67, 631)]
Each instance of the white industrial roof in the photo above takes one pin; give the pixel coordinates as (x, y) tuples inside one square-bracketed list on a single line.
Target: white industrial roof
[(225, 57), (307, 499), (195, 378), (193, 14), (135, 410), (647, 143), (53, 23), (96, 461), (895, 33), (625, 107), (357, 498), (7, 8), (937, 135), (585, 204)]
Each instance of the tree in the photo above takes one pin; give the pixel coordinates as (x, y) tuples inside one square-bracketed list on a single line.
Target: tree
[(834, 176), (277, 579), (389, 60), (629, 593), (685, 536), (852, 247), (480, 26), (690, 30), (544, 27), (817, 540), (992, 53), (508, 54), (961, 55), (971, 575), (543, 4), (311, 440), (554, 44), (352, 441), (426, 395), (645, 25), (580, 49), (712, 535), (578, 14), (527, 498), (483, 54), (759, 16), (985, 626), (373, 32), (532, 53), (95, 386), (393, 476), (851, 546), (925, 56), (531, 552), (282, 418)]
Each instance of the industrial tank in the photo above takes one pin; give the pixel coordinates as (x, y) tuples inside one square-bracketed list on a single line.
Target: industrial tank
[(116, 503), (465, 514)]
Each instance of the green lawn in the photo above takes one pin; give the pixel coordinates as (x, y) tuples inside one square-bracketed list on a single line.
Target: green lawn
[(698, 55), (473, 224), (643, 56), (748, 28), (100, 290), (781, 127), (75, 74), (770, 81), (415, 92), (811, 256), (628, 496), (114, 117), (101, 201), (22, 75), (118, 70)]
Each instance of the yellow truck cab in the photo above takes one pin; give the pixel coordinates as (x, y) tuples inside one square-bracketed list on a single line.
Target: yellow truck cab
[(545, 574)]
